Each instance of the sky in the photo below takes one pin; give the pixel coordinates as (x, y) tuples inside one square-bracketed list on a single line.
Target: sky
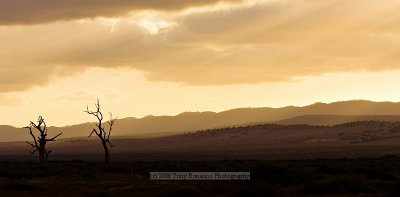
[(155, 57)]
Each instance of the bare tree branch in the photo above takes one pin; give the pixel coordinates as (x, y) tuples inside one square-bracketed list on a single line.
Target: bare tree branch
[(100, 129), (111, 124), (41, 140), (33, 152), (33, 146), (33, 136), (93, 131), (53, 139), (108, 141)]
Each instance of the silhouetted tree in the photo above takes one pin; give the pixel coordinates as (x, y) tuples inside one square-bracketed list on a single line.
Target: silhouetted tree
[(39, 144), (103, 135)]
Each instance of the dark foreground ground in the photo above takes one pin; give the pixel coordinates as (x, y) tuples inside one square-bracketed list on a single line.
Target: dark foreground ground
[(334, 177)]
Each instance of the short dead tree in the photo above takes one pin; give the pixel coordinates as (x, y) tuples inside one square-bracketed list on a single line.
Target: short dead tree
[(39, 144), (100, 131)]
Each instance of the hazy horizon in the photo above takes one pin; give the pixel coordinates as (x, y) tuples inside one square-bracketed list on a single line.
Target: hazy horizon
[(239, 108)]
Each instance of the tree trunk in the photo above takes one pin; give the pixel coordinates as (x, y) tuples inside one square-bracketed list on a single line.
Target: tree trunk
[(106, 152), (42, 156)]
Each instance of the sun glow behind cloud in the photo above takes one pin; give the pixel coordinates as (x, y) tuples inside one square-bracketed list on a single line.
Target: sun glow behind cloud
[(224, 6), (197, 55), (153, 23)]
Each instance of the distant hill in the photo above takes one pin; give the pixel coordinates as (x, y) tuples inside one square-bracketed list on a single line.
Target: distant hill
[(192, 121), (9, 134), (330, 120), (264, 141)]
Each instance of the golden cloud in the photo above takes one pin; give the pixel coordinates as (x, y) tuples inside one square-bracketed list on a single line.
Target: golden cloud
[(263, 42)]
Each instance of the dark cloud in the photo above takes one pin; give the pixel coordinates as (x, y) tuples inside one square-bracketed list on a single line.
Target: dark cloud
[(21, 12)]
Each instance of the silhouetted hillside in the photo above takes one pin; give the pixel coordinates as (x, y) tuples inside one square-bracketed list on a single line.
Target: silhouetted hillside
[(335, 119), (191, 121), (264, 141)]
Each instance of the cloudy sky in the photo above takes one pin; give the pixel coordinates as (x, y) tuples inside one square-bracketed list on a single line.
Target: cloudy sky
[(163, 57)]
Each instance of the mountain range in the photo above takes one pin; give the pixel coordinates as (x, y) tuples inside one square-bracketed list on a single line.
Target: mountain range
[(156, 126)]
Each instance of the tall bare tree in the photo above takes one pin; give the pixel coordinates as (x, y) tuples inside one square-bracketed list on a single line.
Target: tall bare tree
[(39, 144), (100, 131)]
